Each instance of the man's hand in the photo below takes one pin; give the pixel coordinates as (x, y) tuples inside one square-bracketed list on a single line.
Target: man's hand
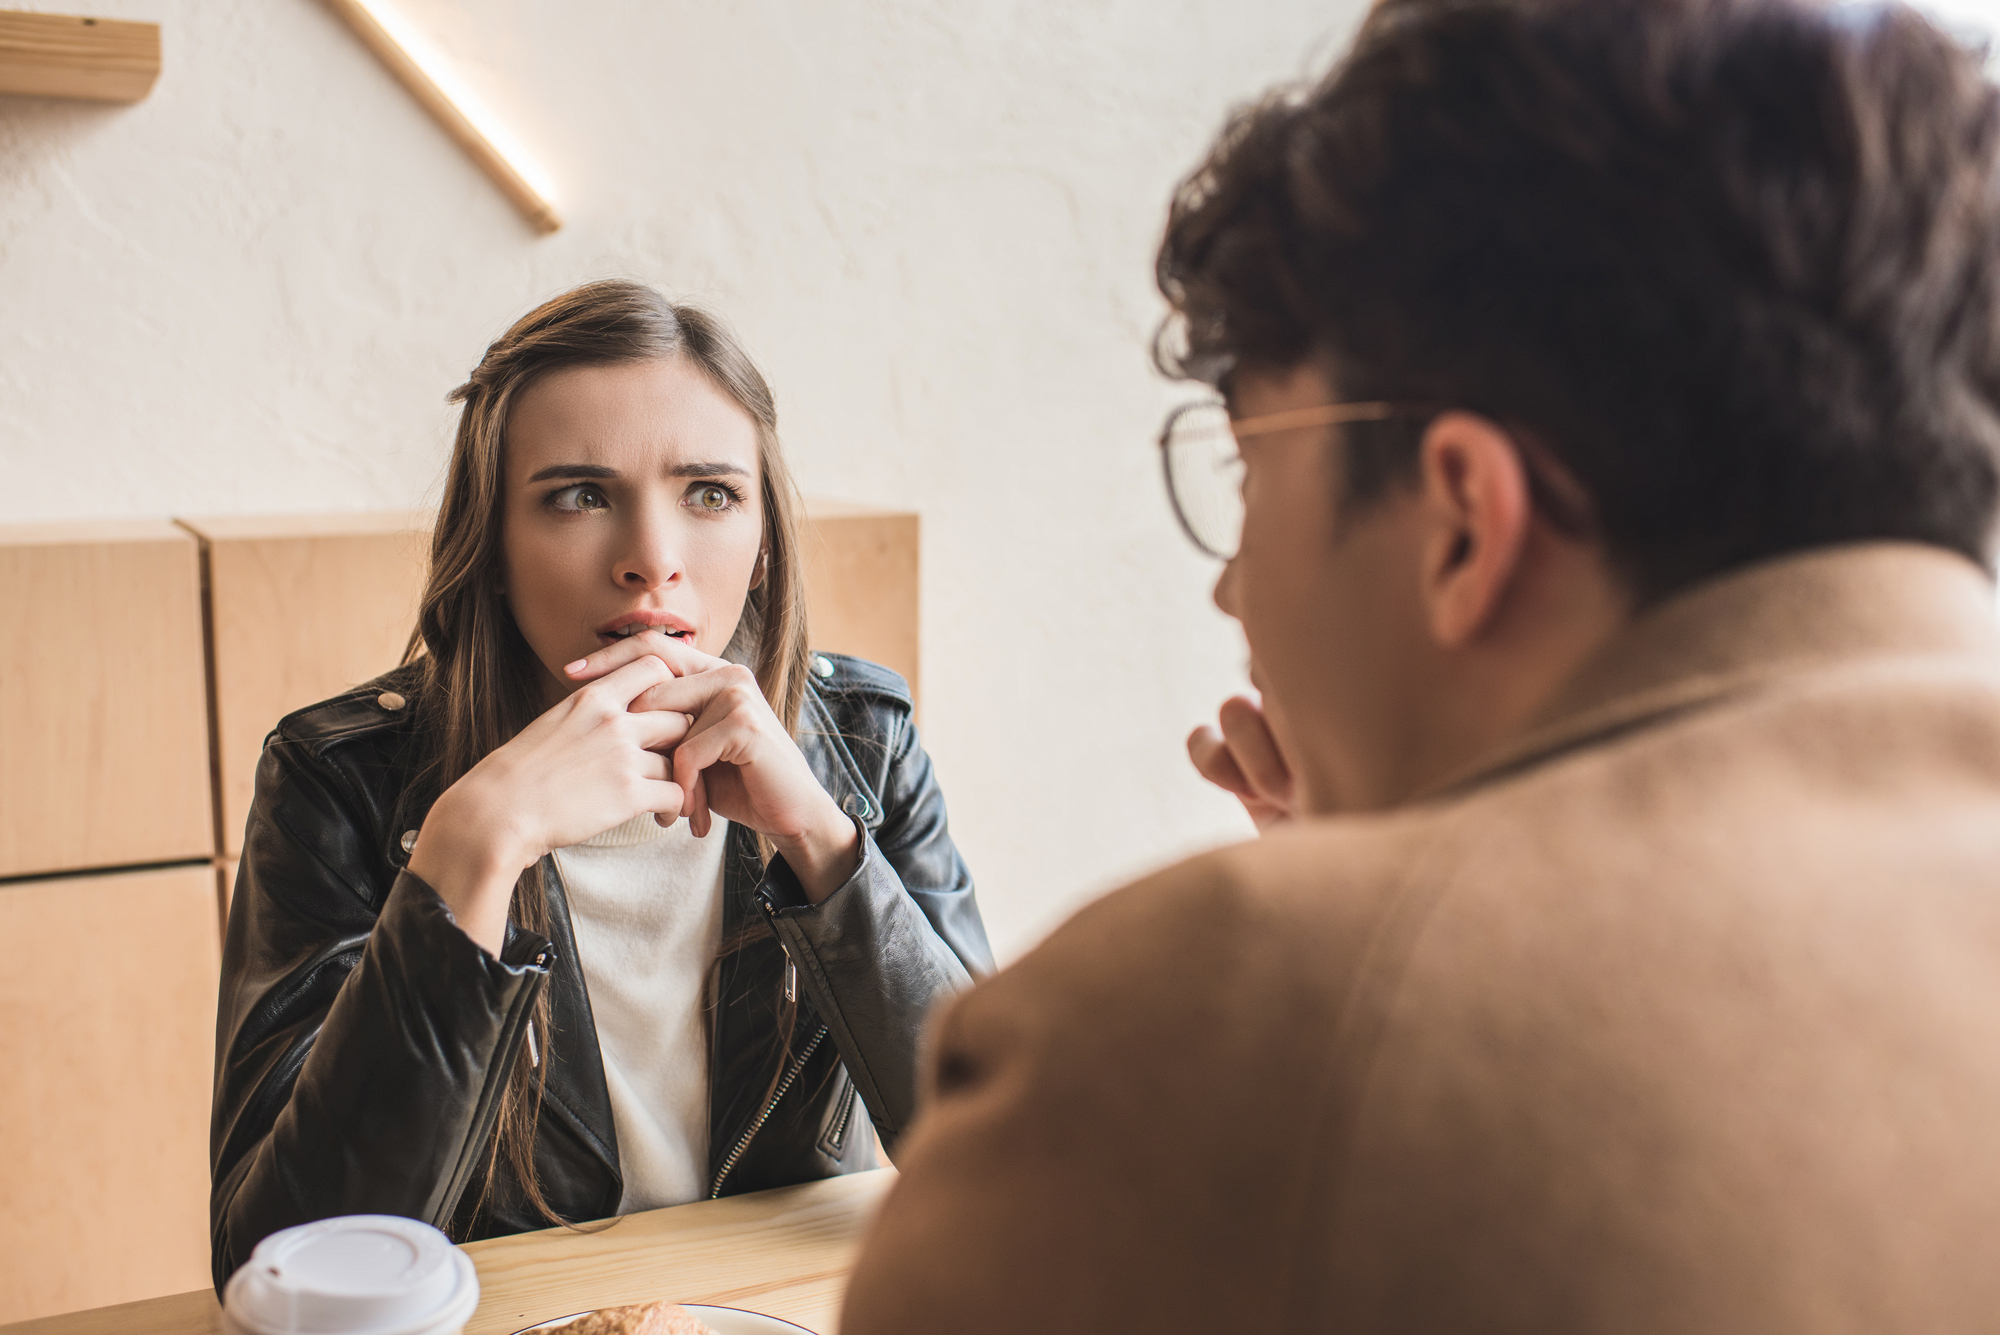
[(1243, 757)]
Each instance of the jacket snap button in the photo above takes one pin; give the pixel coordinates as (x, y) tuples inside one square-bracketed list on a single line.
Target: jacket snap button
[(823, 665), (390, 700), (855, 805), (409, 840)]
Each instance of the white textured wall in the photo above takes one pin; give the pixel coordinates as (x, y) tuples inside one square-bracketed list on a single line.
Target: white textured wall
[(932, 220)]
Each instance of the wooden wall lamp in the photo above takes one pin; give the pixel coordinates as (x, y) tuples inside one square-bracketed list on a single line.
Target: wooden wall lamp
[(62, 55), (430, 80), (111, 60)]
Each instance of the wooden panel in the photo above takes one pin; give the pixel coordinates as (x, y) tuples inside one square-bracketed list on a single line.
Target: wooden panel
[(107, 1038), (304, 607), (59, 55), (861, 584), (103, 731)]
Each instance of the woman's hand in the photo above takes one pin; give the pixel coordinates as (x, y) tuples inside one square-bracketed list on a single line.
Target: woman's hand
[(586, 765), (737, 760), (1243, 757)]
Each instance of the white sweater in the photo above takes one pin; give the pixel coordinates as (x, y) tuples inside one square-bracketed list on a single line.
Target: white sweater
[(646, 905)]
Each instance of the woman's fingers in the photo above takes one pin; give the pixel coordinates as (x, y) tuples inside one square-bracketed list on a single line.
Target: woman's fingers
[(1255, 750), (669, 799), (657, 768), (700, 820), (693, 693), (722, 736), (664, 798), (620, 687), (717, 736), (691, 758), (682, 657), (679, 695), (659, 729)]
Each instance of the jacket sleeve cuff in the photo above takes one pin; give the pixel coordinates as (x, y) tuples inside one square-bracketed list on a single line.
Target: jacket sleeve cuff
[(421, 909), (783, 892), (873, 967)]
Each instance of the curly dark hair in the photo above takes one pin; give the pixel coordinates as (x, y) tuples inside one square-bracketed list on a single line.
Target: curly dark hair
[(1732, 262)]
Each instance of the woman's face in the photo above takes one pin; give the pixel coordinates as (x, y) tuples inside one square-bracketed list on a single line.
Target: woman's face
[(633, 500)]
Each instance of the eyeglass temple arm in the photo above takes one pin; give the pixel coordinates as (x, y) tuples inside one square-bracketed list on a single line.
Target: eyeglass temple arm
[(1329, 414)]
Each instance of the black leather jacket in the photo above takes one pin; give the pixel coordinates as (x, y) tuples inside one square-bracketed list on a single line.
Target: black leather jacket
[(362, 1040)]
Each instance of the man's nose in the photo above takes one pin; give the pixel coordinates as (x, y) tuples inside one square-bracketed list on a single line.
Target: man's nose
[(1225, 589)]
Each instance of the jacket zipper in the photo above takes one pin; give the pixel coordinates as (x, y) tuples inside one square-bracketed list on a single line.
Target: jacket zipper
[(838, 1138), (798, 1064), (488, 1106)]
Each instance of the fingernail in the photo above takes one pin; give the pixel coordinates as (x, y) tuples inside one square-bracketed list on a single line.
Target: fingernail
[(577, 666)]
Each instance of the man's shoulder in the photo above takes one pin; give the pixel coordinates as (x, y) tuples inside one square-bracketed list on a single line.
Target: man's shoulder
[(1311, 876), (1280, 922)]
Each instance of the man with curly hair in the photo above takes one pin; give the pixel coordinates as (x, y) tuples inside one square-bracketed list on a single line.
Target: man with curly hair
[(1605, 466)]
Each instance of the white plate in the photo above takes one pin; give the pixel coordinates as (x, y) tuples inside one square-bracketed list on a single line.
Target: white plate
[(723, 1320)]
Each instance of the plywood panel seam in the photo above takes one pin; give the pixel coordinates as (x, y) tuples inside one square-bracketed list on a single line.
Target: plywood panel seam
[(120, 869), (204, 559)]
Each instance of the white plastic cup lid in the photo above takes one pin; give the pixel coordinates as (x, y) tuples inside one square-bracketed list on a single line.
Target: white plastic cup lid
[(359, 1274)]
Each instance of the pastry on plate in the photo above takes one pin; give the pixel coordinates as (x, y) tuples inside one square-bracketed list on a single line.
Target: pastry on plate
[(638, 1319)]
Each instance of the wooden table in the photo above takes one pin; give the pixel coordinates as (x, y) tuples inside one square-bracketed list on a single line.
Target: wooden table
[(785, 1252)]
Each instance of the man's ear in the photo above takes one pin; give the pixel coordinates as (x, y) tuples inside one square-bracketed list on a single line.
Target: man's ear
[(1477, 513)]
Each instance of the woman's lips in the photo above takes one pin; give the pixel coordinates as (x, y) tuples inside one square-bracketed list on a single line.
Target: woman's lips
[(643, 619), (627, 631)]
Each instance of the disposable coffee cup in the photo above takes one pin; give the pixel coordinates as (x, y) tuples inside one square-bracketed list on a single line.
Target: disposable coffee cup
[(359, 1274)]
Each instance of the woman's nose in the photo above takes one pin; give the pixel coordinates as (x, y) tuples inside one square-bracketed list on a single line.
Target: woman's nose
[(650, 560)]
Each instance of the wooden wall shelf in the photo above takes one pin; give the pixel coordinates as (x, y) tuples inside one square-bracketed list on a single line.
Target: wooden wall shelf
[(63, 55)]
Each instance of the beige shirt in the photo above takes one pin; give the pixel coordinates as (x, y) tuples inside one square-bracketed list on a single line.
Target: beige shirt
[(646, 906), (1681, 1015)]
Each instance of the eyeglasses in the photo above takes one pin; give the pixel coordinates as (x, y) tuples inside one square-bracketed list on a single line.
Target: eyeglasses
[(1199, 449)]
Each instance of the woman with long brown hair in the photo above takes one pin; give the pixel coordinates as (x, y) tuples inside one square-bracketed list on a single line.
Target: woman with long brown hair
[(614, 895)]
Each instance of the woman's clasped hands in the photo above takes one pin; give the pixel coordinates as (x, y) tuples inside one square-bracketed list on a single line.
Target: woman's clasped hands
[(736, 759), (653, 726)]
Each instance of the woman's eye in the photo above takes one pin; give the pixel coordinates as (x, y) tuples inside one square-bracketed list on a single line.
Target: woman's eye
[(583, 496), (709, 496)]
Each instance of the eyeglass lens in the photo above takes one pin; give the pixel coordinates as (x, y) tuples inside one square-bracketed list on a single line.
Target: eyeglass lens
[(1205, 477)]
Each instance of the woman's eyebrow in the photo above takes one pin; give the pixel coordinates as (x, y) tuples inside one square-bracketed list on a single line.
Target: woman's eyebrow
[(707, 470), (572, 470)]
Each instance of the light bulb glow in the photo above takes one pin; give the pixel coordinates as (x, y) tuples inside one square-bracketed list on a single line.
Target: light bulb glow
[(430, 77)]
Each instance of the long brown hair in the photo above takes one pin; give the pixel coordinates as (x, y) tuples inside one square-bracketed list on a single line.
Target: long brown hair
[(480, 680)]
